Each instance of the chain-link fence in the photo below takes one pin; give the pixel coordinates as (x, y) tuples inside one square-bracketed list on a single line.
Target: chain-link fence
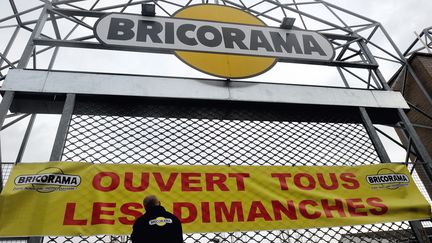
[(197, 134), (6, 169), (129, 131)]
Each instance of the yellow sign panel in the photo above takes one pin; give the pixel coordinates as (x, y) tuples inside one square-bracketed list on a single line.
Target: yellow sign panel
[(224, 65), (72, 198)]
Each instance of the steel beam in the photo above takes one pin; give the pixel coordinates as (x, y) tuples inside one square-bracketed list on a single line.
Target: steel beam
[(35, 240), (63, 128), (55, 82), (84, 13), (348, 12), (98, 14), (15, 11), (422, 126), (376, 141), (419, 231), (25, 139), (21, 13), (408, 149), (14, 121), (4, 107), (28, 51), (418, 82), (422, 153), (96, 45), (19, 159), (9, 45)]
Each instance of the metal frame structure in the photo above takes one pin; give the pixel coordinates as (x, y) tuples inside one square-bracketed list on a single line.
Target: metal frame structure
[(360, 51), (422, 44)]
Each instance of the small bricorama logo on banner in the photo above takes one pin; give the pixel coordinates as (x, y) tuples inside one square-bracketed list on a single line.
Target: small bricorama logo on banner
[(387, 179), (48, 180)]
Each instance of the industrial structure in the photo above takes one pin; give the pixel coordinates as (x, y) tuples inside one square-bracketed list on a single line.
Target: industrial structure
[(112, 114)]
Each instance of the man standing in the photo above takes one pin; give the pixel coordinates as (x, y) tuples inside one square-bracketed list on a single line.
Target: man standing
[(156, 225)]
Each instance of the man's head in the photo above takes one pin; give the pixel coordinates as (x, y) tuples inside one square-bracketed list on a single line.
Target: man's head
[(151, 201)]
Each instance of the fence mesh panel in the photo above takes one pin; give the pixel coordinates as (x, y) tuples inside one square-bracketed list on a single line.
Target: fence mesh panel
[(6, 170), (139, 132)]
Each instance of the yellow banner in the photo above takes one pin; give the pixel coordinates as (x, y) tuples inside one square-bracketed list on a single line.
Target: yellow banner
[(72, 198)]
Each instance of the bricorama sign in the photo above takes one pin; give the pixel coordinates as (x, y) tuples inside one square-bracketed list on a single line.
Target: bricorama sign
[(218, 40), (75, 198)]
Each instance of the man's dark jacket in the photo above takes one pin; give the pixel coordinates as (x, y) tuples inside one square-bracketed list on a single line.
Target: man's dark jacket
[(157, 225)]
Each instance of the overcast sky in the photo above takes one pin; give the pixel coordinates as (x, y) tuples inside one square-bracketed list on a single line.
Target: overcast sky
[(400, 17)]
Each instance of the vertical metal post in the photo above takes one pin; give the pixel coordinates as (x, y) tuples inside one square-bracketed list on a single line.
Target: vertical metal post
[(63, 127), (28, 51), (422, 153), (60, 140), (25, 139), (25, 58), (379, 147), (419, 231), (4, 107), (421, 150), (35, 240), (58, 36)]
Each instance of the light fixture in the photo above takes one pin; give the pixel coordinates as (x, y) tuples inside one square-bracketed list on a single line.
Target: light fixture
[(287, 23), (148, 10)]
